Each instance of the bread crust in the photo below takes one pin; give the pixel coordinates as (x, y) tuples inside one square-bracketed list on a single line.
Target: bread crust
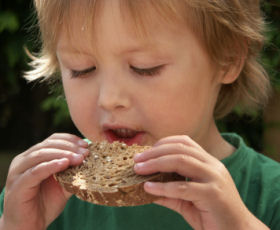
[(119, 194)]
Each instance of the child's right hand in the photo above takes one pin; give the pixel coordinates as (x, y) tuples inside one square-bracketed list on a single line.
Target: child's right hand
[(33, 199)]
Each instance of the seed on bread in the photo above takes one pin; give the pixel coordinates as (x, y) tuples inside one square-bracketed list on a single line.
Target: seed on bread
[(107, 177)]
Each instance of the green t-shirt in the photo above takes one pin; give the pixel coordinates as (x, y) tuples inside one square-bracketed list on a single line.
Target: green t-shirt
[(256, 177)]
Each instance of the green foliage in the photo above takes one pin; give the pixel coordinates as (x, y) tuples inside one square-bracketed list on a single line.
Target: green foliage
[(271, 52), (11, 52), (8, 21), (56, 102)]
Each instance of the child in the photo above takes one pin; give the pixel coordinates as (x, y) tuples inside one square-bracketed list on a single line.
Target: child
[(158, 73)]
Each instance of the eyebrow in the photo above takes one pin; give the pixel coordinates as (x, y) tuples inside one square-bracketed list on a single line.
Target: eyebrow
[(68, 49), (140, 48), (131, 49), (159, 54)]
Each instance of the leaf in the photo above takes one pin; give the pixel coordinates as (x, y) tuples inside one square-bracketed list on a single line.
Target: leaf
[(8, 21), (59, 106)]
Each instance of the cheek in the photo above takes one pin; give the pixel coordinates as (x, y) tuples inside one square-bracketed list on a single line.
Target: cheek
[(78, 108), (81, 104), (180, 109), (79, 95), (84, 116)]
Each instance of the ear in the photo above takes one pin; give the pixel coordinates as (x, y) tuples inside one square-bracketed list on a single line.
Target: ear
[(232, 72)]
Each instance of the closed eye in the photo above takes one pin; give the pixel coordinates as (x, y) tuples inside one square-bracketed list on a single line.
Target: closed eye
[(147, 72), (143, 72), (80, 73)]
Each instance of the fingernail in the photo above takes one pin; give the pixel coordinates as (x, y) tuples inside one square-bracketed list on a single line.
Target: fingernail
[(139, 166), (83, 151), (150, 184), (82, 143), (137, 157), (77, 156)]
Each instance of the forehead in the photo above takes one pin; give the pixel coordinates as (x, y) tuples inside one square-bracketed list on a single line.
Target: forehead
[(92, 26)]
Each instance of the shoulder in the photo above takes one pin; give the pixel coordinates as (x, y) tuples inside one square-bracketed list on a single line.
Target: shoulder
[(244, 156), (269, 177), (257, 178), (247, 162)]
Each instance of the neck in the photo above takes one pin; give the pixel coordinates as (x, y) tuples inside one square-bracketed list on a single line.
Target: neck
[(214, 144)]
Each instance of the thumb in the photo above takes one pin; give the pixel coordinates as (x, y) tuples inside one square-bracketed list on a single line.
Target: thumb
[(66, 193)]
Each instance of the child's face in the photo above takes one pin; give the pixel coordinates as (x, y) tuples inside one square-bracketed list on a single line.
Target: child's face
[(177, 97)]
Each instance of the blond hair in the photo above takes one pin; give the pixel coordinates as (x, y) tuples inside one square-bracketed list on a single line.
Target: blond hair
[(229, 30)]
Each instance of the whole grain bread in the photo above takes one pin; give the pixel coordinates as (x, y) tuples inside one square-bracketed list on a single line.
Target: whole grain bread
[(107, 177)]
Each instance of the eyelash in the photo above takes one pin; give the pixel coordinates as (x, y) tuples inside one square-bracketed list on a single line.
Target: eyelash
[(148, 72), (142, 72), (78, 73)]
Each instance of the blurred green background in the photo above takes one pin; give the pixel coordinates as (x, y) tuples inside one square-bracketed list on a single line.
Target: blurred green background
[(31, 112)]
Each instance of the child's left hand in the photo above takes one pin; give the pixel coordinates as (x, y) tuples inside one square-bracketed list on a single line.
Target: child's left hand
[(209, 199)]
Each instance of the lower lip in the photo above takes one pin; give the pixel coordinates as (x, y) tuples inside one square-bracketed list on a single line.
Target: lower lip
[(138, 139)]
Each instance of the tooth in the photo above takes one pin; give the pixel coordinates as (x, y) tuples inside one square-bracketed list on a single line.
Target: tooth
[(124, 132)]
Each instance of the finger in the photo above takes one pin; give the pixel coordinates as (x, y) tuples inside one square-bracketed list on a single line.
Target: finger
[(188, 141), (53, 180), (169, 149), (65, 145), (185, 190), (29, 182), (183, 139), (184, 165), (67, 194), (79, 142), (25, 162), (70, 137)]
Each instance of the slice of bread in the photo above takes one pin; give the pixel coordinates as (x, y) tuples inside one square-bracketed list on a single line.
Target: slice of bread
[(107, 177)]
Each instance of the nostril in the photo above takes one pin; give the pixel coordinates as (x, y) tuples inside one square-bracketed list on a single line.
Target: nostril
[(112, 96), (110, 104)]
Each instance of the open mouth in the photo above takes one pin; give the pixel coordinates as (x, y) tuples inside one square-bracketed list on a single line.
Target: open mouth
[(128, 136)]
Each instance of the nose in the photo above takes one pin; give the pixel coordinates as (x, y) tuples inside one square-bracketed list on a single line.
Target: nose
[(113, 94)]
